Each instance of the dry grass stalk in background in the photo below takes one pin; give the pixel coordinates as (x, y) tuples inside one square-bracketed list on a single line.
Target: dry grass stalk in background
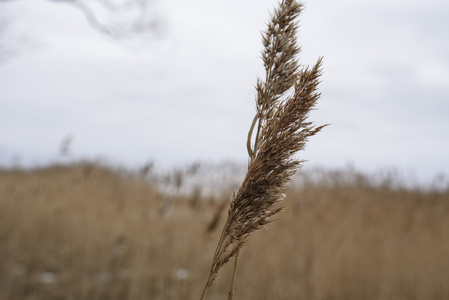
[(282, 130)]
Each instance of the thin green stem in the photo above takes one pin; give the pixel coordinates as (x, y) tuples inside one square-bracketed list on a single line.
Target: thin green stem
[(234, 275)]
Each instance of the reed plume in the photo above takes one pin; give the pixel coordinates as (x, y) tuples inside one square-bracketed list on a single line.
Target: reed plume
[(280, 130)]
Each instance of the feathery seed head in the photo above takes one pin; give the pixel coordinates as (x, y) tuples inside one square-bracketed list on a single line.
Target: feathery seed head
[(282, 130)]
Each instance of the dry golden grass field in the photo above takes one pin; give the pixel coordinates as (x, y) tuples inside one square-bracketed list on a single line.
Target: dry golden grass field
[(86, 231)]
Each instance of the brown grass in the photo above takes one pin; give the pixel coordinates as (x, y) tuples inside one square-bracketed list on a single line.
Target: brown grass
[(282, 131), (89, 232)]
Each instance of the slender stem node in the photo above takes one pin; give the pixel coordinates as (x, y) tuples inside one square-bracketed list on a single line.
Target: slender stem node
[(251, 152)]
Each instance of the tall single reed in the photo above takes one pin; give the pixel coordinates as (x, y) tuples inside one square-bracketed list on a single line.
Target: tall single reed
[(280, 129)]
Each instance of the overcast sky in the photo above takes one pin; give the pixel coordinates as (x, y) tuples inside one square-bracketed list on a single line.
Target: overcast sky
[(188, 94)]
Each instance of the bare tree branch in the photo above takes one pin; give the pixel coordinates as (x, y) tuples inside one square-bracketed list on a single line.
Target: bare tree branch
[(130, 18), (118, 19)]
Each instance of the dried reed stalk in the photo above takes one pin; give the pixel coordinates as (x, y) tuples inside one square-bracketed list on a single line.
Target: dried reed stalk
[(282, 130)]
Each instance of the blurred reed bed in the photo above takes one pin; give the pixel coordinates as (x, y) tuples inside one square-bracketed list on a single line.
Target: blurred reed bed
[(91, 231)]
